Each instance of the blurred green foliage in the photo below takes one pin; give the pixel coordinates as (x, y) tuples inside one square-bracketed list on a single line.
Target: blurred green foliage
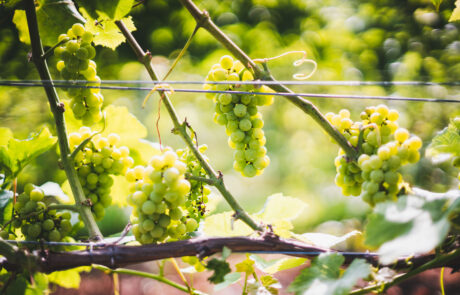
[(373, 40)]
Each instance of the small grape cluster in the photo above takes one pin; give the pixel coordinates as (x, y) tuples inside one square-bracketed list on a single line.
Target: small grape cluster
[(383, 147), (75, 54), (239, 114), (159, 197), (197, 198), (36, 220), (95, 163)]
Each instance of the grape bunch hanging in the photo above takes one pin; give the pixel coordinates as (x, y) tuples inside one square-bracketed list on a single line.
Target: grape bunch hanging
[(239, 114), (383, 146), (75, 54), (159, 197), (95, 163), (36, 220)]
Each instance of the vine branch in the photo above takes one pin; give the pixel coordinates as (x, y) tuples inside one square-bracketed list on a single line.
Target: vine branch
[(181, 129), (202, 17), (57, 108)]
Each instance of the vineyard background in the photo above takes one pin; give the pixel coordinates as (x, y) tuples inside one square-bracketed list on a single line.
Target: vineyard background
[(350, 40)]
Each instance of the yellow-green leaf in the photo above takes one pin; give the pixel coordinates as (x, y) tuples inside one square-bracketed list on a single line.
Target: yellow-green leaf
[(119, 191), (68, 278), (221, 225), (279, 207), (5, 135), (456, 13), (105, 30)]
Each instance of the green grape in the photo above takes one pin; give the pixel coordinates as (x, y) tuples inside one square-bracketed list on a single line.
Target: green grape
[(239, 113), (95, 164), (384, 149), (160, 195), (76, 64)]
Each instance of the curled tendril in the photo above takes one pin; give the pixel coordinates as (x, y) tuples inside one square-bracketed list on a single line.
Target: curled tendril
[(166, 88), (297, 63)]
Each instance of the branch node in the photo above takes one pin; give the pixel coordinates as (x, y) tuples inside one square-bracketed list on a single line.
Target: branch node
[(61, 107), (87, 202)]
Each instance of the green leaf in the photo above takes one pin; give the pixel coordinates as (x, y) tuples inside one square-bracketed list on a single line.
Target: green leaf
[(446, 141), (6, 205), (220, 268), (5, 135), (325, 240), (119, 191), (269, 285), (19, 153), (229, 279), (324, 276), (113, 10), (105, 30), (68, 278), (436, 4), (276, 265), (456, 13), (416, 224), (279, 207), (221, 225), (54, 17), (245, 266)]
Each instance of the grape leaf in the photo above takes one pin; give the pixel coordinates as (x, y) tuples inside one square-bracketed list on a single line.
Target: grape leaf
[(325, 240), (415, 224), (456, 13), (18, 153), (68, 278), (276, 265), (5, 135), (54, 17), (105, 30), (220, 268), (446, 141), (278, 211), (229, 279), (119, 191), (6, 204), (324, 276), (279, 207), (245, 266), (436, 4), (114, 10), (221, 225)]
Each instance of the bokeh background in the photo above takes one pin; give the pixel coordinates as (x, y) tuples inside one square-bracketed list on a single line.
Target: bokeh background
[(372, 40)]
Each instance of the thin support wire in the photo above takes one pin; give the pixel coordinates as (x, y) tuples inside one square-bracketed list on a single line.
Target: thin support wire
[(310, 95)]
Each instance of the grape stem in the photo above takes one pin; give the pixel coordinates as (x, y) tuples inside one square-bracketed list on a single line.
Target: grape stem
[(201, 179), (73, 208), (155, 277), (203, 18), (181, 129), (57, 108)]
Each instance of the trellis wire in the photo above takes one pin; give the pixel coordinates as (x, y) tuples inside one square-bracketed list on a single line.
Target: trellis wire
[(310, 95), (127, 239), (256, 82)]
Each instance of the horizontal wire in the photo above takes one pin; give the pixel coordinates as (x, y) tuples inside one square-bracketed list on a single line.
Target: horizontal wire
[(310, 95), (257, 82), (104, 243), (109, 242)]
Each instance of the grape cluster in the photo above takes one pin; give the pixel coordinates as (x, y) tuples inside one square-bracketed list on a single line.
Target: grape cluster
[(36, 220), (239, 114), (197, 198), (75, 63), (159, 196), (383, 148), (95, 163)]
